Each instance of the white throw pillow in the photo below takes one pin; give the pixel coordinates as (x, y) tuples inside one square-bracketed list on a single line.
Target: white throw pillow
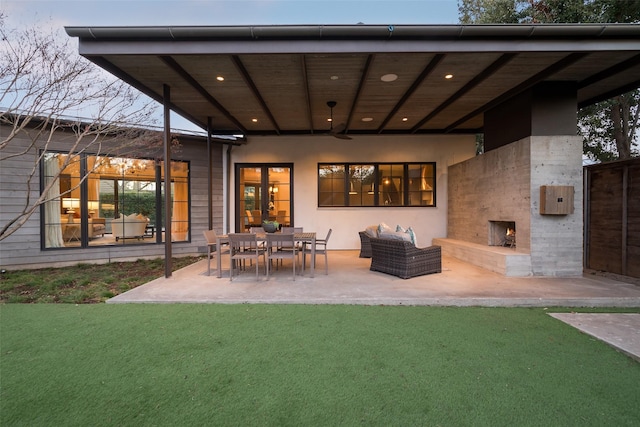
[(372, 231), (384, 228), (412, 235)]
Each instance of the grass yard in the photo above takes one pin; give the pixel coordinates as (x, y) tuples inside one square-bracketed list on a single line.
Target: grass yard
[(279, 365)]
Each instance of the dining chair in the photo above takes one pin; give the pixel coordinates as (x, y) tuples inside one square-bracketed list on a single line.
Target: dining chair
[(258, 230), (281, 217), (211, 238), (321, 249), (242, 247), (286, 246), (249, 221), (275, 241)]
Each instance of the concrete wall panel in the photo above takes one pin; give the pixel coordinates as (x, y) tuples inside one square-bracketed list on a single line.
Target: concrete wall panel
[(491, 187), (504, 185)]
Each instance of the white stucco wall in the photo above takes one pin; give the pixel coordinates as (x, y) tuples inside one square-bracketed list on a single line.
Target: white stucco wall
[(306, 152)]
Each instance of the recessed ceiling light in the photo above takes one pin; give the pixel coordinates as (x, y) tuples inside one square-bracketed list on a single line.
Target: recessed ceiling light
[(404, 119), (220, 78), (334, 77), (367, 119), (254, 120), (448, 76), (329, 120), (389, 77)]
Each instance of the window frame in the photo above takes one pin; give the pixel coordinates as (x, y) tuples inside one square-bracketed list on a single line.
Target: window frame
[(348, 190), (84, 177)]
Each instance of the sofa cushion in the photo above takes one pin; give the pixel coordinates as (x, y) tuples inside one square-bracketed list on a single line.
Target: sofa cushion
[(395, 235), (372, 230), (384, 228)]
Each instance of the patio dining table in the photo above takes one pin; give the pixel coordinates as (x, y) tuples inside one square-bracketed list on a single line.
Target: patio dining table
[(307, 237)]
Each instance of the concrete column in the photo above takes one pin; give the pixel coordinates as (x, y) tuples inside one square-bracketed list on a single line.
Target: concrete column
[(546, 115), (530, 141), (546, 109), (556, 240)]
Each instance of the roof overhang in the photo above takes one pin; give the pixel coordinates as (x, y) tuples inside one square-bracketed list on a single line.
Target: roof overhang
[(278, 79)]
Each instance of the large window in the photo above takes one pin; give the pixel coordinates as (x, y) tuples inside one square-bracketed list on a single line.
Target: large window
[(376, 184), (98, 200)]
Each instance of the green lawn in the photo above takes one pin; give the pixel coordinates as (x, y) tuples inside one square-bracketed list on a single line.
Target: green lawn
[(279, 365)]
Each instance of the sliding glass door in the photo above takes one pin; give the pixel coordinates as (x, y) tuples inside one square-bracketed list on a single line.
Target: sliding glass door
[(263, 192)]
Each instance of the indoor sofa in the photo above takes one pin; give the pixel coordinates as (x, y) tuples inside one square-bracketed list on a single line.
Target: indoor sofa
[(128, 227)]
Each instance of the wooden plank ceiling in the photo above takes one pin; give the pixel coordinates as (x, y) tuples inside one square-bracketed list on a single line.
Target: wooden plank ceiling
[(281, 93)]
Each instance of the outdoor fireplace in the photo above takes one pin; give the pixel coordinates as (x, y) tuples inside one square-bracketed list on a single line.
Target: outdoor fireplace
[(502, 233)]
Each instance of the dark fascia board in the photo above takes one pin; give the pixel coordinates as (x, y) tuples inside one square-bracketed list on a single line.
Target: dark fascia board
[(92, 47), (237, 40), (346, 32)]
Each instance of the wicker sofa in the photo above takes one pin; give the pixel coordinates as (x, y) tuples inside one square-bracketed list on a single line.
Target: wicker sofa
[(365, 244), (403, 259)]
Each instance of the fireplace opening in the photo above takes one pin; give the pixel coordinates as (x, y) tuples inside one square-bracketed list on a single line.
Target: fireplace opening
[(502, 233)]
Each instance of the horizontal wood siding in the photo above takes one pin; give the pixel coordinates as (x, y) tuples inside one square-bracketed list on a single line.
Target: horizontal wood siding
[(23, 250)]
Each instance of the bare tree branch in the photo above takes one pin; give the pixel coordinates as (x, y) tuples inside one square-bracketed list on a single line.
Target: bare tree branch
[(46, 88)]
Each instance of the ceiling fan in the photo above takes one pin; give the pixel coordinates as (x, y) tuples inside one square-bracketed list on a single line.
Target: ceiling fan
[(338, 131)]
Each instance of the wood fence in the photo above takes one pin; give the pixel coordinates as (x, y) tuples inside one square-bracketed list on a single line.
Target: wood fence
[(612, 217)]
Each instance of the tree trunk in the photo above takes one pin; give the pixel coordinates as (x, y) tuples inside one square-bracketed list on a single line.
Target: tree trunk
[(620, 114)]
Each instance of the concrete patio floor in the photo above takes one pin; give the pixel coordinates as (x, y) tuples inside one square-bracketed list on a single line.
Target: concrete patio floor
[(460, 284), (351, 282)]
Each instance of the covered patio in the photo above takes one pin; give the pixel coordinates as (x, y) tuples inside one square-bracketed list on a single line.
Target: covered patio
[(350, 282), (314, 98)]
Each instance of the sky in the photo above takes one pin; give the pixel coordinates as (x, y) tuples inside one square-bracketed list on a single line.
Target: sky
[(57, 13), (236, 12)]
